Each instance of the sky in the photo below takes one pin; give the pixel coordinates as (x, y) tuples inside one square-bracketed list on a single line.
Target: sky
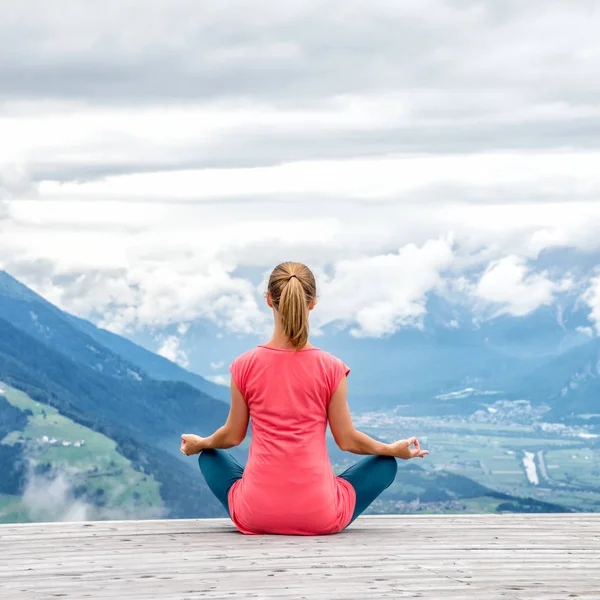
[(156, 164)]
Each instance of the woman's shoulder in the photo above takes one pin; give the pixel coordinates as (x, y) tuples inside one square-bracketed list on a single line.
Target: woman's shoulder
[(329, 360), (246, 357), (256, 353)]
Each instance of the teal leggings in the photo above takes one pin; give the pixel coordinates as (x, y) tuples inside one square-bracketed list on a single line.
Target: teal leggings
[(369, 477)]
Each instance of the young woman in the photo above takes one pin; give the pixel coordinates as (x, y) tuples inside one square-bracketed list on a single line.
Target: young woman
[(291, 389)]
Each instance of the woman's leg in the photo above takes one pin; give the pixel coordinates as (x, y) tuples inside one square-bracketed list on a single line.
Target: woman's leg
[(220, 471), (369, 477)]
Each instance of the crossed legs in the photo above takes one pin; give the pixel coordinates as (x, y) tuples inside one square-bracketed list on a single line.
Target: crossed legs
[(369, 477)]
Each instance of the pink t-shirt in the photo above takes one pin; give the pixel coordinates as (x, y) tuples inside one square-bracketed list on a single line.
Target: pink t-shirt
[(289, 486)]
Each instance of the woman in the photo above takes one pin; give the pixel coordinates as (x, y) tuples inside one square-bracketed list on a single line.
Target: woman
[(291, 389)]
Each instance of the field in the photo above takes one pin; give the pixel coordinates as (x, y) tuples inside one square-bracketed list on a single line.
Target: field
[(74, 467), (562, 469)]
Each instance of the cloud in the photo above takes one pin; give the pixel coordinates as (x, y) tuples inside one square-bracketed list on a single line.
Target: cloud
[(508, 287), (592, 299), (171, 349), (219, 379), (51, 499), (155, 165), (555, 172), (183, 328), (376, 296), (296, 50), (190, 261), (586, 330), (14, 181), (150, 293), (3, 211), (189, 87), (51, 496)]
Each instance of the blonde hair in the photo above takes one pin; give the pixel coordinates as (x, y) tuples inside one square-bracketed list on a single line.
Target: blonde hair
[(292, 287)]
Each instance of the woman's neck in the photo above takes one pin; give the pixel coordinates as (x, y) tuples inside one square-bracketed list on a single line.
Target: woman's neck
[(279, 340)]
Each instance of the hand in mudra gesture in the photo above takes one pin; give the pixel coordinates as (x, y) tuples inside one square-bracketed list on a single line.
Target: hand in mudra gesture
[(402, 449), (191, 444)]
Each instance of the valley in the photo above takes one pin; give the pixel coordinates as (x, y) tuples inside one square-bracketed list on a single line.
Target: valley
[(548, 462)]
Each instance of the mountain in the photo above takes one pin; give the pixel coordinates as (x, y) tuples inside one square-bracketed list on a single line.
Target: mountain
[(87, 344), (144, 407), (419, 369), (58, 361), (570, 384), (67, 380), (143, 416), (56, 469), (158, 366), (521, 357)]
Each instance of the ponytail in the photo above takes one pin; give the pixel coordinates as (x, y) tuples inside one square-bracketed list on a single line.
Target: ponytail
[(292, 287), (293, 311)]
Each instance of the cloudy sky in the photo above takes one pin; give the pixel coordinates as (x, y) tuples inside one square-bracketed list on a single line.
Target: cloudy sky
[(158, 158)]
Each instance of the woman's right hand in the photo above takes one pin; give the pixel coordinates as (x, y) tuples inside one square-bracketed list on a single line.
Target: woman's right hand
[(402, 449), (191, 444)]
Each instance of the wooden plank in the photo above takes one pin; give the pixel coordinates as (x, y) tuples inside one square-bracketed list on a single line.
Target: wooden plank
[(488, 557)]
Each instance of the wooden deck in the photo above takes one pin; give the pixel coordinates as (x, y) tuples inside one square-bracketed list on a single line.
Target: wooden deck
[(484, 557)]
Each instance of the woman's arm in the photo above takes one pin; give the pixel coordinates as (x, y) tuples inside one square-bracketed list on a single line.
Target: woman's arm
[(349, 439), (231, 434)]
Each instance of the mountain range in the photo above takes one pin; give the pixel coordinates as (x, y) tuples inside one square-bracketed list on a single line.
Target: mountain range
[(61, 373)]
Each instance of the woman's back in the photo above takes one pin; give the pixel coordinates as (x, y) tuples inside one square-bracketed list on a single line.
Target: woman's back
[(288, 485), (290, 390)]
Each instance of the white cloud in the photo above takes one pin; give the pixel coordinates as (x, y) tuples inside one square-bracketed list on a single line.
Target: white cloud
[(592, 298), (219, 379), (382, 177), (183, 328), (170, 349), (140, 193), (378, 295), (51, 497), (510, 288), (545, 238), (185, 262), (586, 330), (170, 346), (217, 365)]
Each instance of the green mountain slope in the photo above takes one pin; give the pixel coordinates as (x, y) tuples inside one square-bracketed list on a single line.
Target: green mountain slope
[(64, 470), (143, 417)]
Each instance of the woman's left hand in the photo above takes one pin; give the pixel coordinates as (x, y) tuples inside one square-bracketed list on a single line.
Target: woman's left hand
[(402, 449), (191, 444)]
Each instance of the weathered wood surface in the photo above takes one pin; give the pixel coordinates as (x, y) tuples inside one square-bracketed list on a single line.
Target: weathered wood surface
[(483, 557)]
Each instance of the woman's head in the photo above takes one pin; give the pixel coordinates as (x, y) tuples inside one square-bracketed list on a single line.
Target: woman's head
[(293, 293)]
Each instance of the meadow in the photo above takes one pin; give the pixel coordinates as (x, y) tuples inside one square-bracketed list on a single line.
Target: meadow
[(73, 464)]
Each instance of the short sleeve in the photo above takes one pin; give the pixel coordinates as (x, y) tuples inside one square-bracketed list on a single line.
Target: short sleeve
[(238, 372), (339, 371)]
